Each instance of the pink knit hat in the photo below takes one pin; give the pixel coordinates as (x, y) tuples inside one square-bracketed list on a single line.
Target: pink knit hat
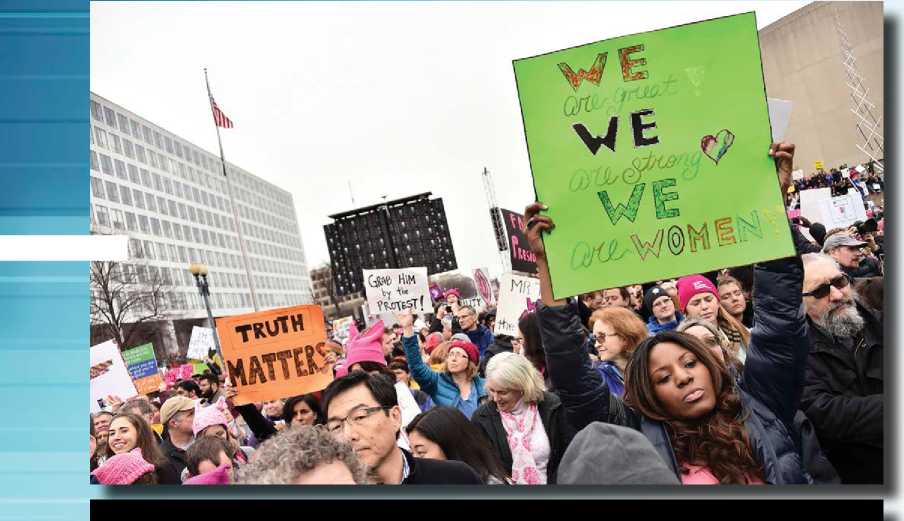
[(693, 285), (123, 469), (433, 340), (452, 291), (366, 347), (217, 476), (215, 414), (469, 348)]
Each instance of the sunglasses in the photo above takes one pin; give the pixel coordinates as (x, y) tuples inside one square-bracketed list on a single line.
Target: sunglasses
[(822, 291)]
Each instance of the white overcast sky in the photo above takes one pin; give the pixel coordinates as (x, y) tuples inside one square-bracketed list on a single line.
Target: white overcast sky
[(394, 98)]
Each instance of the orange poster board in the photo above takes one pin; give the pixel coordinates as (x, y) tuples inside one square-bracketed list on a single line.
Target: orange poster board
[(275, 353)]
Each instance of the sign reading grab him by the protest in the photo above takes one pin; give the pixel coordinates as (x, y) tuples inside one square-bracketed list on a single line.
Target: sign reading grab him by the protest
[(517, 294), (276, 353), (651, 152), (395, 290)]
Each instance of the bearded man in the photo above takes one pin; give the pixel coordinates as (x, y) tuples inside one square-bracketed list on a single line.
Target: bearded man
[(843, 396)]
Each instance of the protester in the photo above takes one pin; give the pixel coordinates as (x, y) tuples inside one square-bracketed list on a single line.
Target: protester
[(272, 410), (593, 300), (616, 297), (101, 421), (444, 433), (403, 376), (604, 454), (304, 456), (844, 393), (215, 420), (437, 358), (188, 389), (707, 429), (503, 344), (92, 445), (845, 249), (699, 298), (532, 344), (128, 431), (126, 468), (458, 385), (177, 416), (732, 298), (363, 410), (141, 406), (207, 462), (526, 424), (302, 410), (661, 307), (617, 332), (478, 334), (209, 385)]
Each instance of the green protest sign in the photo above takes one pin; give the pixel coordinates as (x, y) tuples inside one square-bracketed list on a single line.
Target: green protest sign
[(651, 151)]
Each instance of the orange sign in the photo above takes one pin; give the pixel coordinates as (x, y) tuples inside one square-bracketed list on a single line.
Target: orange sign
[(276, 353)]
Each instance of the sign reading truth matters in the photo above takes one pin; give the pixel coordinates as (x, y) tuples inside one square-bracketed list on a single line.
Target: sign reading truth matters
[(651, 151)]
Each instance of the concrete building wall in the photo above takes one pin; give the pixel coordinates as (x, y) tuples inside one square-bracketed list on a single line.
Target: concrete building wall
[(803, 63)]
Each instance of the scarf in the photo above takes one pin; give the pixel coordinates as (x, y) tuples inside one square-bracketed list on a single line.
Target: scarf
[(519, 428)]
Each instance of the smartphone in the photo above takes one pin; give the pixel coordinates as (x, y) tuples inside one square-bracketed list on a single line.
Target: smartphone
[(448, 309)]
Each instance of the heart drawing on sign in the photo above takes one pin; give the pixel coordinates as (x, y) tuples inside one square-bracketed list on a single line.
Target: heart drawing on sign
[(716, 146)]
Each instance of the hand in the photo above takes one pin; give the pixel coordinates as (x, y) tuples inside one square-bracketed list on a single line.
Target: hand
[(229, 392), (534, 225), (330, 358), (783, 153), (406, 320), (115, 402)]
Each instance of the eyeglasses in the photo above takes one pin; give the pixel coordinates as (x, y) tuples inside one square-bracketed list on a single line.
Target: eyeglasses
[(457, 354), (822, 291), (355, 419), (601, 337)]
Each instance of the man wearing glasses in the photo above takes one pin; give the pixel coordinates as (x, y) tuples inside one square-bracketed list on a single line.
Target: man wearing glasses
[(362, 409), (843, 394), (478, 334)]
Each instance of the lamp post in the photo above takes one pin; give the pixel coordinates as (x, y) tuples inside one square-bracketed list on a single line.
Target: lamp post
[(200, 273)]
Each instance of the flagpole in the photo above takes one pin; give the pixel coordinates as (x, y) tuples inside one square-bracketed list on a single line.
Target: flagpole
[(235, 211)]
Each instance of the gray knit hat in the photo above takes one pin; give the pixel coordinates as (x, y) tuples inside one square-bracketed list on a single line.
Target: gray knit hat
[(605, 454)]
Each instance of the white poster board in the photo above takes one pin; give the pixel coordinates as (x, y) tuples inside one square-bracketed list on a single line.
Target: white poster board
[(201, 343), (515, 291), (395, 290), (109, 375), (818, 205), (779, 117), (797, 175)]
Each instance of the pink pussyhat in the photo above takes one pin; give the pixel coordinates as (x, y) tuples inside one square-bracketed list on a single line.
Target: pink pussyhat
[(123, 469), (217, 476), (215, 414), (366, 347), (693, 285)]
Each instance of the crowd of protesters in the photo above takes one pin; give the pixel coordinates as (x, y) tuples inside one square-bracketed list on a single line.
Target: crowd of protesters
[(765, 374), (868, 180)]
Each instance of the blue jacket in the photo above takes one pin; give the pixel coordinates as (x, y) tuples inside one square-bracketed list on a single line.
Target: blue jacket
[(482, 337), (439, 386), (653, 325), (770, 386)]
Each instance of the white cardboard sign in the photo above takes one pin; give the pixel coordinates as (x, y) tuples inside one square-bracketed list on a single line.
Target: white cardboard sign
[(201, 343), (818, 205), (109, 375), (395, 290), (515, 293), (779, 116)]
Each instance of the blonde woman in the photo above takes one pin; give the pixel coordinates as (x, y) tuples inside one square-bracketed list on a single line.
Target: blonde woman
[(525, 423)]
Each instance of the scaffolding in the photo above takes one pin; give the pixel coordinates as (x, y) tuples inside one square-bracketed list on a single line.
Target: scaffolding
[(868, 125), (496, 219)]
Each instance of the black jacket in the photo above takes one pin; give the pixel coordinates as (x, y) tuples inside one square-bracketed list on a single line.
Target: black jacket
[(423, 471), (171, 474), (502, 344), (769, 389), (555, 423), (844, 399)]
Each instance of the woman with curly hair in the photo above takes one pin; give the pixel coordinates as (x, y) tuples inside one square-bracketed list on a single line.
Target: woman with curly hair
[(678, 394)]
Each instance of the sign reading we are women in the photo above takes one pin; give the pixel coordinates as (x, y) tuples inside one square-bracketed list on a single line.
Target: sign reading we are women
[(651, 152)]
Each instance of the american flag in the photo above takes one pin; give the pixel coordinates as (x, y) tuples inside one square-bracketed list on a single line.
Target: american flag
[(218, 116)]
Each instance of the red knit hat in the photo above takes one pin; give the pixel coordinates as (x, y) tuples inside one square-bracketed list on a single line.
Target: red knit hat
[(692, 285), (433, 340), (123, 469), (468, 347)]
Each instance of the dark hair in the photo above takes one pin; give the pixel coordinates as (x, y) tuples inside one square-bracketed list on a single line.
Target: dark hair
[(211, 378), (145, 440), (623, 291), (460, 440), (533, 345), (380, 387), (398, 364), (288, 413), (191, 386), (206, 448), (144, 406), (719, 439), (374, 367)]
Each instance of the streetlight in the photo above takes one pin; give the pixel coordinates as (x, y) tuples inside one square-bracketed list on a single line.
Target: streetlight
[(200, 273)]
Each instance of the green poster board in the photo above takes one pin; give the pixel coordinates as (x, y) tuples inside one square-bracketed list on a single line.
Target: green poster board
[(651, 151)]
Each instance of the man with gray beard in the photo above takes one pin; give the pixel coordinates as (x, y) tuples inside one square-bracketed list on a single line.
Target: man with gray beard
[(843, 395)]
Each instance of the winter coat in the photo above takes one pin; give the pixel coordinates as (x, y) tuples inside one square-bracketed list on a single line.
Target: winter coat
[(481, 337), (439, 386), (425, 471), (501, 345), (844, 399), (556, 425), (653, 325), (769, 390)]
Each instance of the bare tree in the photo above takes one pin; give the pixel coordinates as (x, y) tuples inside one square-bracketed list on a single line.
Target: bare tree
[(126, 297)]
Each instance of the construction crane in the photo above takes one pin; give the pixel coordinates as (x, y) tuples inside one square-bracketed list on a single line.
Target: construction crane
[(496, 220)]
